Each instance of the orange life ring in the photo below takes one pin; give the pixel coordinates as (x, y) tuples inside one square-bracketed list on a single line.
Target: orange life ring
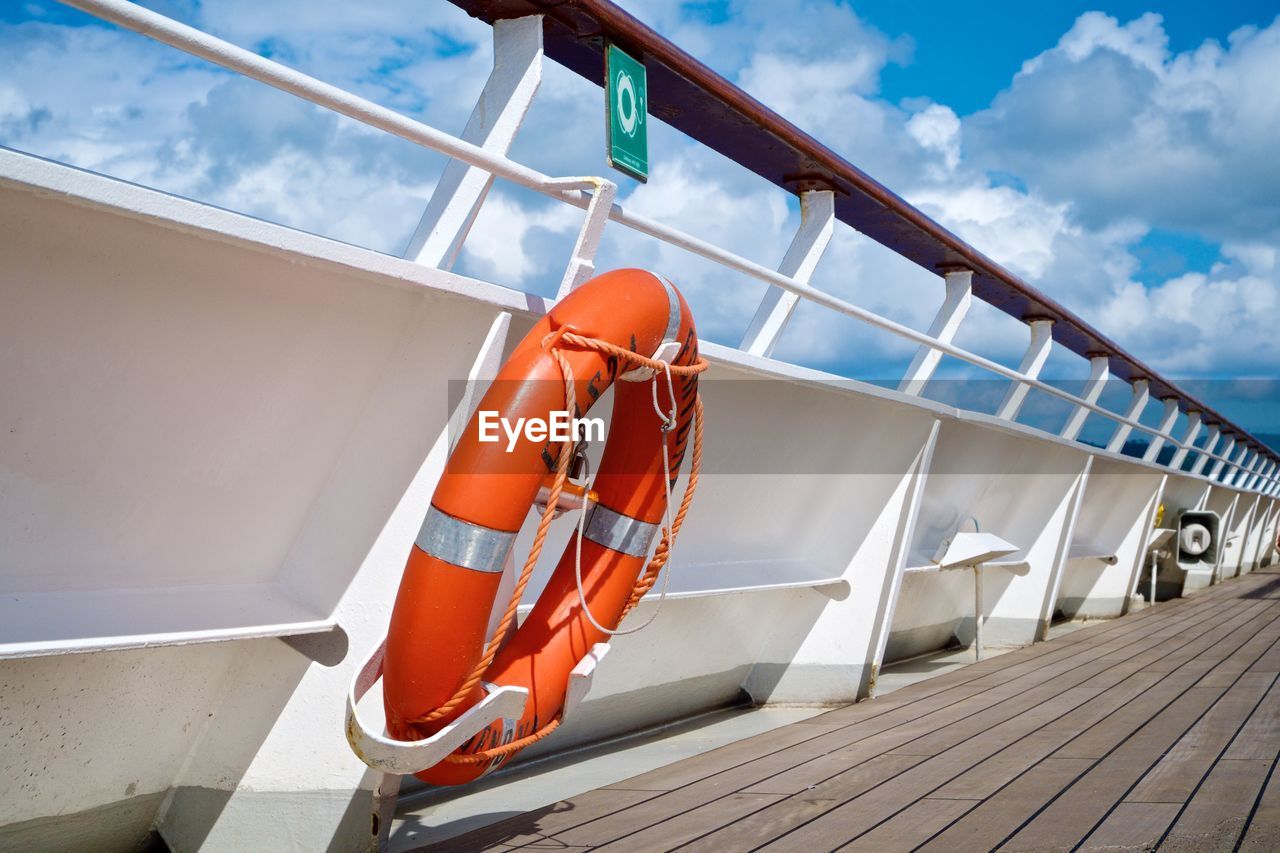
[(437, 634)]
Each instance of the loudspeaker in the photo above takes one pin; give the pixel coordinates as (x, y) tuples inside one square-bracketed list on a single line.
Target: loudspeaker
[(1196, 541)]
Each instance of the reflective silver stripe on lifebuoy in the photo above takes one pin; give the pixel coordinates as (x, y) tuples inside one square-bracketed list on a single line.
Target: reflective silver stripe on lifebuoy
[(462, 543), (619, 532), (673, 311)]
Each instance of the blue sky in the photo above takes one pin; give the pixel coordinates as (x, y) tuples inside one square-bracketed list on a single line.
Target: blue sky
[(990, 40), (1118, 155)]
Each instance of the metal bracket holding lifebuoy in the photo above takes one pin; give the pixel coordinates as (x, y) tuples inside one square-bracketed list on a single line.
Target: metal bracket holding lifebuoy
[(581, 676), (404, 758)]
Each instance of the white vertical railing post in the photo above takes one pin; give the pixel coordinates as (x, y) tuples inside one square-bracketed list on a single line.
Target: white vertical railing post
[(1256, 471), (955, 305), (1032, 362), (1247, 473), (1264, 474), (1223, 457), (1193, 430), (1236, 468), (1210, 442), (1099, 373), (1141, 394), (817, 224), (1167, 421), (517, 72), (582, 264)]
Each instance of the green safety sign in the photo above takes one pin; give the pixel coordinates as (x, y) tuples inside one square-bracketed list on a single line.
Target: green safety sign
[(626, 94)]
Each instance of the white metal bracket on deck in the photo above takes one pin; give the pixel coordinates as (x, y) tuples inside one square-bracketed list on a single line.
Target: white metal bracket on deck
[(1167, 421), (498, 114), (945, 324), (1099, 373), (1032, 362), (1156, 540), (817, 223), (1141, 394), (405, 757), (970, 551)]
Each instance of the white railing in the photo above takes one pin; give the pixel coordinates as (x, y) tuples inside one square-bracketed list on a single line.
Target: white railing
[(506, 97)]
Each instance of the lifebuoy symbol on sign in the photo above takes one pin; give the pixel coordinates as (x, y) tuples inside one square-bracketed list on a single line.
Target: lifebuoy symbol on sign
[(628, 108)]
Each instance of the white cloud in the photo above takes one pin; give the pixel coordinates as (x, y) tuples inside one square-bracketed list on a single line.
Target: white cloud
[(1112, 122), (937, 128), (1219, 322)]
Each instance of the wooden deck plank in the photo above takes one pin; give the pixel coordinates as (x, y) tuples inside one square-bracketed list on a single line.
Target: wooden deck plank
[(865, 811), (1164, 723), (688, 826), (1001, 769), (992, 774), (913, 826), (544, 825), (811, 771), (798, 741), (1263, 831), (1133, 826), (1070, 817), (1121, 763), (1216, 816), (1101, 738), (1260, 737), (984, 827), (1175, 776), (871, 771), (1016, 718)]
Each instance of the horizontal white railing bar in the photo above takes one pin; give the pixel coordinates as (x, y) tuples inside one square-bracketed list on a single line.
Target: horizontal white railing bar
[(568, 189), (195, 42), (726, 258)]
